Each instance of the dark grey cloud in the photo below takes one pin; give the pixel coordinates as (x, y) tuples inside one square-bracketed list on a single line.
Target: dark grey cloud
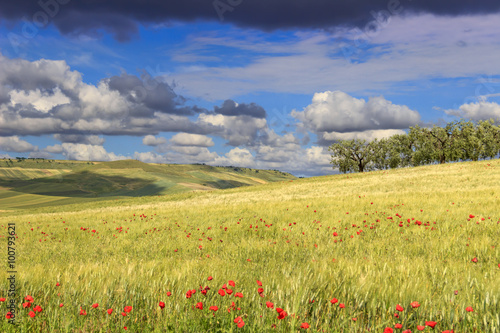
[(151, 93), (121, 18), (79, 138), (231, 108), (4, 95)]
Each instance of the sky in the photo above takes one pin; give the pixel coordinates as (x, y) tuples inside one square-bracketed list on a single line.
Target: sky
[(267, 84)]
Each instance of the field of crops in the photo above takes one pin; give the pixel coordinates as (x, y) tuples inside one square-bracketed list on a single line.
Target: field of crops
[(404, 250)]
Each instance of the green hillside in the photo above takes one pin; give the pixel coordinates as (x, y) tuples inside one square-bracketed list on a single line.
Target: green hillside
[(36, 183)]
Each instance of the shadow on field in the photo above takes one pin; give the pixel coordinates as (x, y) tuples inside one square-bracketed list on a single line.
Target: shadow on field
[(85, 184), (225, 184)]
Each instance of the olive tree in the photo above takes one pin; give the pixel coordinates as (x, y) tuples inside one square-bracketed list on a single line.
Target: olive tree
[(352, 155)]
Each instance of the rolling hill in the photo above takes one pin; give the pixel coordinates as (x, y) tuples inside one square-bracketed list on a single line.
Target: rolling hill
[(35, 183)]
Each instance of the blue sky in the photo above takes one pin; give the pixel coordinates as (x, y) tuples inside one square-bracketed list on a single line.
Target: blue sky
[(272, 93)]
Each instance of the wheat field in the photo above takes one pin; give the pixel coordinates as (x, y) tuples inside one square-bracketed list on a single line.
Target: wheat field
[(399, 250)]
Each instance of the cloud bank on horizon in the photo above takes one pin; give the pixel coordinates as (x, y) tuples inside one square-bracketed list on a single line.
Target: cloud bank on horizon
[(265, 84)]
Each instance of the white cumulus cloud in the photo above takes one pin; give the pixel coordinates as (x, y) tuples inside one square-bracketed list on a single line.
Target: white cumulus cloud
[(151, 140), (14, 144), (481, 110), (187, 139), (336, 111)]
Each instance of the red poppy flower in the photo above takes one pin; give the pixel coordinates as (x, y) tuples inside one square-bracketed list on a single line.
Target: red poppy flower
[(8, 315), (110, 311), (430, 323), (83, 312), (260, 283), (341, 305), (231, 283), (162, 305), (124, 314), (469, 309), (169, 293), (222, 292), (199, 305), (334, 300), (57, 284), (399, 308), (61, 305), (229, 291), (26, 305), (210, 278), (398, 326), (2, 299), (471, 216), (37, 308), (420, 327), (239, 321), (240, 295), (29, 299), (95, 305), (260, 290), (127, 309), (31, 314), (415, 305), (304, 326), (388, 330), (474, 259), (282, 313), (213, 308), (270, 305)]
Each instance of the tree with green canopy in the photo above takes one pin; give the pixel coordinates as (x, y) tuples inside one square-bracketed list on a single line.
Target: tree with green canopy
[(352, 155)]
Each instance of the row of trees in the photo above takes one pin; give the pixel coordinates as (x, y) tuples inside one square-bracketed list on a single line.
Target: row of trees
[(457, 141)]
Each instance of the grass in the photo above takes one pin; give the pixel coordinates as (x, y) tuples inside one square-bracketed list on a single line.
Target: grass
[(281, 234)]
